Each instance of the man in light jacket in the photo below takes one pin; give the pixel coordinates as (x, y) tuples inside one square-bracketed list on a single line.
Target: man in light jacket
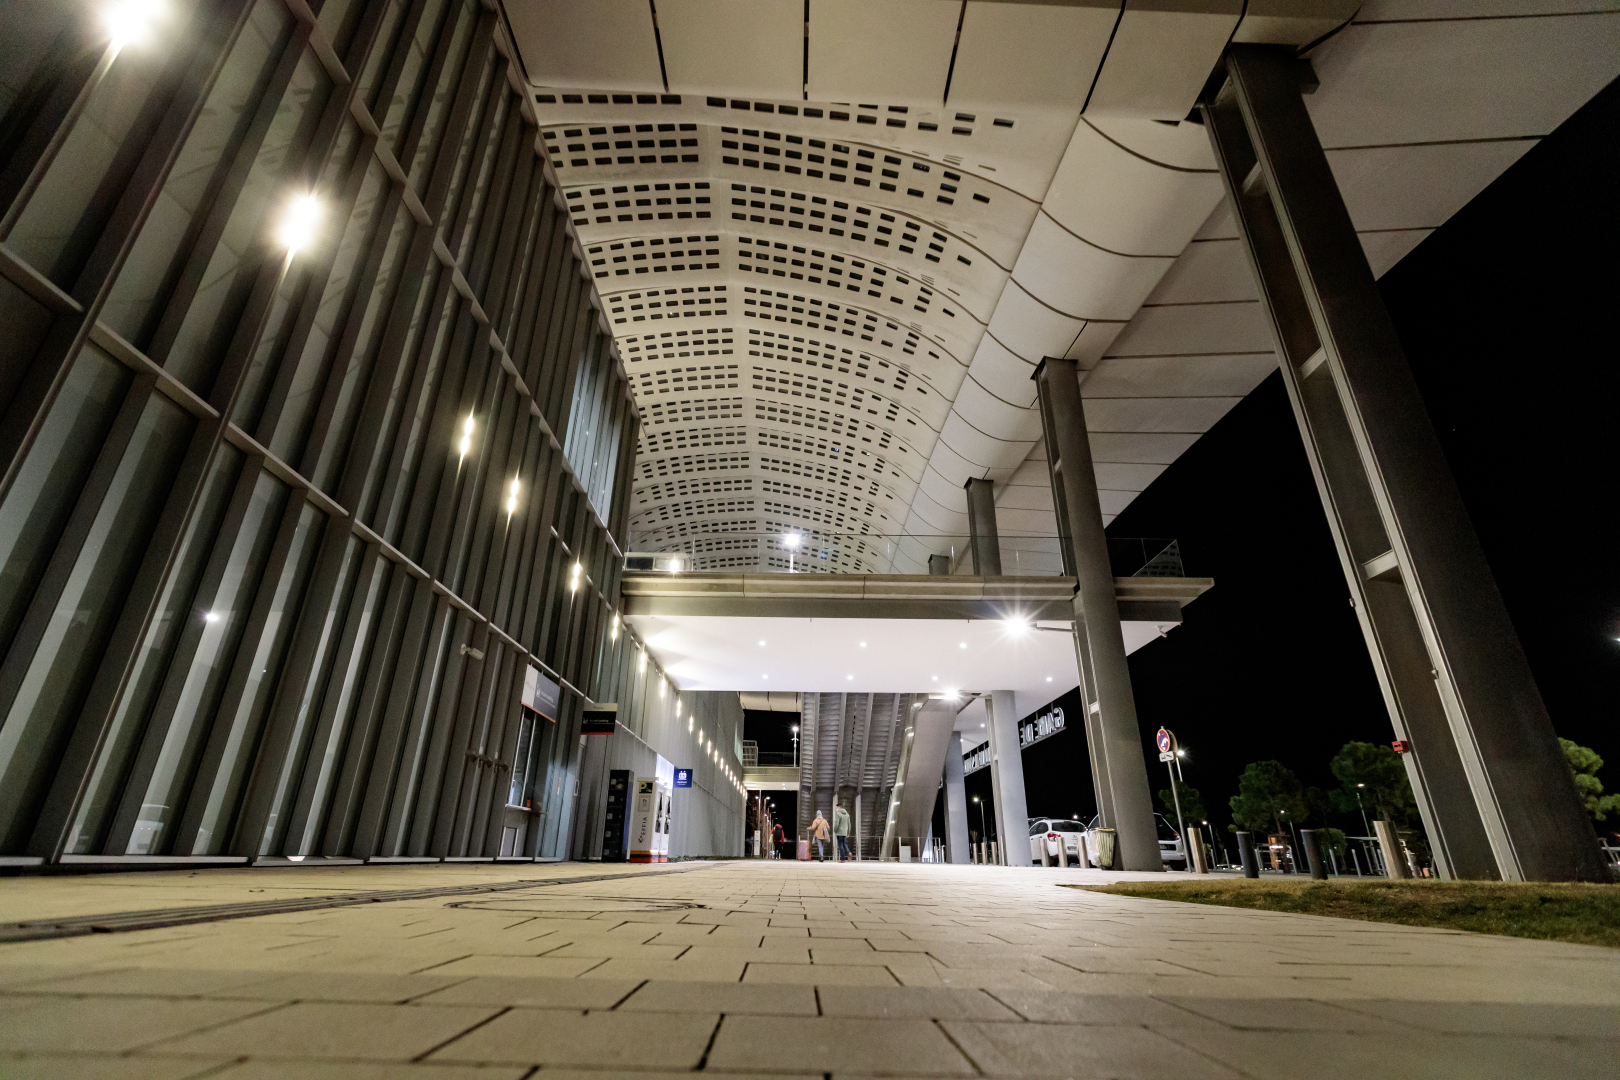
[(841, 831)]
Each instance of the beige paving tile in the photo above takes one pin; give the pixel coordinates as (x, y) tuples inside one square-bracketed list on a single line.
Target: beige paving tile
[(534, 993), (602, 1039), (336, 1031), (1286, 1014), (835, 1044), (769, 953), (151, 982), (819, 975), (1498, 1018), (109, 1024), (755, 998), (687, 970), (912, 1002), (1126, 1053), (1047, 1006), (526, 966), (354, 1070), (1272, 1055), (78, 1066)]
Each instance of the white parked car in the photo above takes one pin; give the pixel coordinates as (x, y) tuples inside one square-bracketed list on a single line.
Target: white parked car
[(1055, 831)]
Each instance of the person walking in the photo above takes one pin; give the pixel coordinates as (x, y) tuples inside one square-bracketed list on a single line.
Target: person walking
[(818, 833), (841, 831), (780, 839)]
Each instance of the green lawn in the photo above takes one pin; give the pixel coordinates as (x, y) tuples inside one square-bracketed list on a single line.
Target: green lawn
[(1585, 914)]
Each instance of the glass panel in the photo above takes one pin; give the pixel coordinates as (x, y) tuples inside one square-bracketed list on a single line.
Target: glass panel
[(425, 149), (211, 318), (520, 760), (159, 253), (58, 677), (395, 113), (48, 484), (26, 322), (211, 811), (197, 678)]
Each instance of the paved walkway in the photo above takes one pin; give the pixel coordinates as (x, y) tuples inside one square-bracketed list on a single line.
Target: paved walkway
[(750, 968)]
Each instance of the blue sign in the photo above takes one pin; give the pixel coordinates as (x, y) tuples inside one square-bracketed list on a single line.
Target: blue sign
[(683, 777)]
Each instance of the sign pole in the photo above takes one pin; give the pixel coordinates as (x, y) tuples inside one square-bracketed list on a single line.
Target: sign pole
[(1167, 754)]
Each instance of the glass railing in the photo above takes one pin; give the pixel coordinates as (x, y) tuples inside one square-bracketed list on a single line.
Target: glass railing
[(815, 552)]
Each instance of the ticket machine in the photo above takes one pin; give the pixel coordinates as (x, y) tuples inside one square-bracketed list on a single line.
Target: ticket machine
[(649, 820)]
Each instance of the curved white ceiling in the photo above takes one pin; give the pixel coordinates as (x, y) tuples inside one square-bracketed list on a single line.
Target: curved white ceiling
[(832, 240)]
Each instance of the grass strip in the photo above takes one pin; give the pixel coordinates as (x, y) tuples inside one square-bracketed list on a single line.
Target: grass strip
[(1583, 914)]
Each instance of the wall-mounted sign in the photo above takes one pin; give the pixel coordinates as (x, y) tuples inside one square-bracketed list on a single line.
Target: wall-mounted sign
[(683, 777), (599, 719), (1040, 726), (540, 693), (976, 759)]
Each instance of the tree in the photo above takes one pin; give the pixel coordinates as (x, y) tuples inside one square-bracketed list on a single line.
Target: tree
[(1378, 775), (1268, 792), (1584, 764), (1192, 803)]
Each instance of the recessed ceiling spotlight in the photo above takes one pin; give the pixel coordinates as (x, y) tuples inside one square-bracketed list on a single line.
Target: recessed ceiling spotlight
[(849, 676), (1049, 678), (863, 644), (962, 646), (762, 641)]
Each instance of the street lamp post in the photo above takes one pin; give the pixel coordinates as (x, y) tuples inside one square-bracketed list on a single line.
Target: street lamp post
[(984, 832), (1366, 829), (795, 746)]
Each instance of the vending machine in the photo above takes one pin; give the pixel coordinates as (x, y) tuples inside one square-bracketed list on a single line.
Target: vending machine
[(649, 821)]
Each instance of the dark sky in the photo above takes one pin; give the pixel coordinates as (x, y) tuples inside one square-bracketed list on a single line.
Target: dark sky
[(1507, 316)]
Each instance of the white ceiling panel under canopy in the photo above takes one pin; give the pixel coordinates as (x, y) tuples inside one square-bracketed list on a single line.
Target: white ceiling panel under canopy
[(831, 241)]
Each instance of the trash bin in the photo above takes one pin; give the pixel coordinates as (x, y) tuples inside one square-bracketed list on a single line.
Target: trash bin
[(1105, 849)]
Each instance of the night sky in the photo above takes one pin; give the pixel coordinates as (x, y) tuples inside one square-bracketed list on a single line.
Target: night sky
[(1506, 314)]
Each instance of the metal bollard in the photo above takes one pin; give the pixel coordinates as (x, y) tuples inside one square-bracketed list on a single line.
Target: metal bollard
[(995, 853), (1063, 854), (1045, 856), (1251, 865), (1313, 853)]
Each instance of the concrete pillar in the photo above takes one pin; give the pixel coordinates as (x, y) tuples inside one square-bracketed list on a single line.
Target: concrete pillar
[(939, 565), (1006, 769), (983, 540), (1486, 769), (956, 820), (1118, 764)]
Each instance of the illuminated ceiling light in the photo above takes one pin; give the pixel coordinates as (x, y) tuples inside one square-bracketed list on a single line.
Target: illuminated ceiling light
[(211, 617), (952, 695), (1016, 624), (677, 708), (466, 437), (298, 222), (764, 676), (130, 21), (791, 541), (573, 581), (963, 645), (674, 566), (1049, 678), (613, 634), (511, 508), (641, 664), (660, 689), (863, 644), (762, 643), (849, 676)]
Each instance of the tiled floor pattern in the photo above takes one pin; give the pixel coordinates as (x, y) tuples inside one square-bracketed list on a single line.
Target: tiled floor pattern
[(747, 968)]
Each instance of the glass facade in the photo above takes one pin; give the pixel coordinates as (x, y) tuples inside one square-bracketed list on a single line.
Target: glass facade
[(282, 528)]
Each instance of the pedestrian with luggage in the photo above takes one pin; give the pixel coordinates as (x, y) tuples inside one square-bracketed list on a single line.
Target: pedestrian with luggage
[(820, 834)]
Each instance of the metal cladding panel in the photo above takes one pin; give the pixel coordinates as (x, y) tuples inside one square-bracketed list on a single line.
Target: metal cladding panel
[(1030, 55), (1030, 330), (1083, 280), (753, 48), (603, 45), (898, 51), (1161, 56)]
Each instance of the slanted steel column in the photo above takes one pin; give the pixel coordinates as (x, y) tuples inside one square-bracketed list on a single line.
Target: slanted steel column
[(1487, 771), (1007, 775), (983, 541), (956, 821), (1118, 768)]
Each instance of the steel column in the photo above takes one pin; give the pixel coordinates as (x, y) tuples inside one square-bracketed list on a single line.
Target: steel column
[(1118, 768), (1487, 771), (983, 540), (956, 822)]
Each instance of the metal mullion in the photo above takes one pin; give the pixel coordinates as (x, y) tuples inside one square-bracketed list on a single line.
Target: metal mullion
[(344, 348), (415, 739), (489, 746), (460, 231), (439, 377), (208, 224), (587, 341), (560, 336), (508, 714), (388, 84), (442, 505), (516, 267), (526, 307), (289, 725), (536, 563), (442, 726), (446, 838), (163, 717), (500, 580), (438, 63), (551, 625), (36, 393), (489, 555), (514, 603), (551, 304), (494, 230), (213, 773), (343, 814), (481, 501), (624, 483), (390, 386), (469, 94)]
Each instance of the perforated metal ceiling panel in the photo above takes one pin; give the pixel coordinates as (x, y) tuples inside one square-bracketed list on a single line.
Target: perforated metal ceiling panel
[(833, 241)]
